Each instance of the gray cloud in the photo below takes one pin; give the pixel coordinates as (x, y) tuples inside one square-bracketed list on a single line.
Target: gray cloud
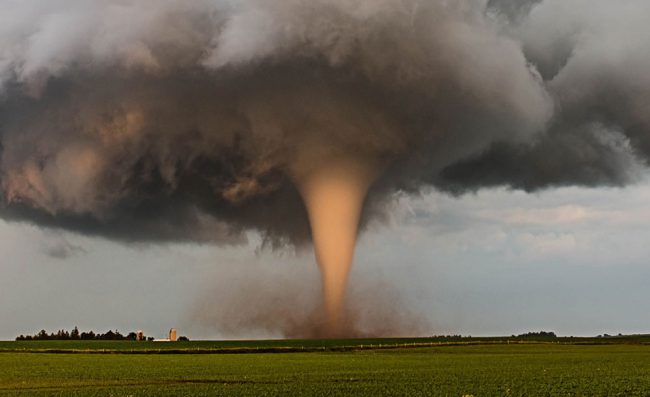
[(513, 10), (589, 154), (60, 248), (151, 120), (593, 64)]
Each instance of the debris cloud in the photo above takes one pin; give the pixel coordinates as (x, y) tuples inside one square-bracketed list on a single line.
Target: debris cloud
[(272, 304)]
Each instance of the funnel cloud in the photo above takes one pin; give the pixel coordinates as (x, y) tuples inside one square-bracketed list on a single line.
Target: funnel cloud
[(158, 121)]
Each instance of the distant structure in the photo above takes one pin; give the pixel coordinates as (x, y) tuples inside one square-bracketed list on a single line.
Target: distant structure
[(139, 335), (171, 338)]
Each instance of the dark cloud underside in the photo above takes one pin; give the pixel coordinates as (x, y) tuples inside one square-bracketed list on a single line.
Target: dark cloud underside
[(158, 121)]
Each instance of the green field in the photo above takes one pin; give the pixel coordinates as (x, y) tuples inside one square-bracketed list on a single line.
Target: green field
[(490, 368)]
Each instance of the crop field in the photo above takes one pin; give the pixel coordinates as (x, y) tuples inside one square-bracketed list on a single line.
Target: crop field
[(489, 368)]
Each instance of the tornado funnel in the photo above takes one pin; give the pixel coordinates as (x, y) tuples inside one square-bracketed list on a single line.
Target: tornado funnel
[(334, 188)]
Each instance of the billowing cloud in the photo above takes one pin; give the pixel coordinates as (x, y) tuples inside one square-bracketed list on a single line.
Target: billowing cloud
[(593, 56), (172, 120)]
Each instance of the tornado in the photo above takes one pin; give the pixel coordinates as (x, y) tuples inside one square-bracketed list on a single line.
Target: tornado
[(334, 190)]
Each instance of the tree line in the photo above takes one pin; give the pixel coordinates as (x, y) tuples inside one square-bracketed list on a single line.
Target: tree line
[(540, 334), (74, 334)]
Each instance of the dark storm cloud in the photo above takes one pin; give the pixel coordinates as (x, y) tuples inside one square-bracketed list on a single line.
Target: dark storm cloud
[(587, 155), (170, 120)]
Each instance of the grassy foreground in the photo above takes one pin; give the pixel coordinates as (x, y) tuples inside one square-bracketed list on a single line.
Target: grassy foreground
[(478, 370)]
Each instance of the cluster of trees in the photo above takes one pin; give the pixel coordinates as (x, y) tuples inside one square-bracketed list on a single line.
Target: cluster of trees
[(76, 335), (90, 335), (540, 334), (449, 337), (610, 336)]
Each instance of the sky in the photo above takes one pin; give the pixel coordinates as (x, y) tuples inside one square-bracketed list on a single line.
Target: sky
[(161, 164), (498, 262)]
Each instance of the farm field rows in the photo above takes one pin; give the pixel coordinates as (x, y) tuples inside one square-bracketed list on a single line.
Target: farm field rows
[(478, 370)]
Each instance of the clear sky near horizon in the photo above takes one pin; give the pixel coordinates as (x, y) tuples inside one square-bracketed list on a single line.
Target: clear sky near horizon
[(571, 260)]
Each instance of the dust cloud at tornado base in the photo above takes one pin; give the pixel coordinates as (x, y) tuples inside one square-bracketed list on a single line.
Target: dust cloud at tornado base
[(279, 304)]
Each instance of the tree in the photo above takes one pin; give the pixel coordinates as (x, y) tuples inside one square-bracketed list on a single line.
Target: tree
[(540, 334), (42, 335), (75, 333)]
